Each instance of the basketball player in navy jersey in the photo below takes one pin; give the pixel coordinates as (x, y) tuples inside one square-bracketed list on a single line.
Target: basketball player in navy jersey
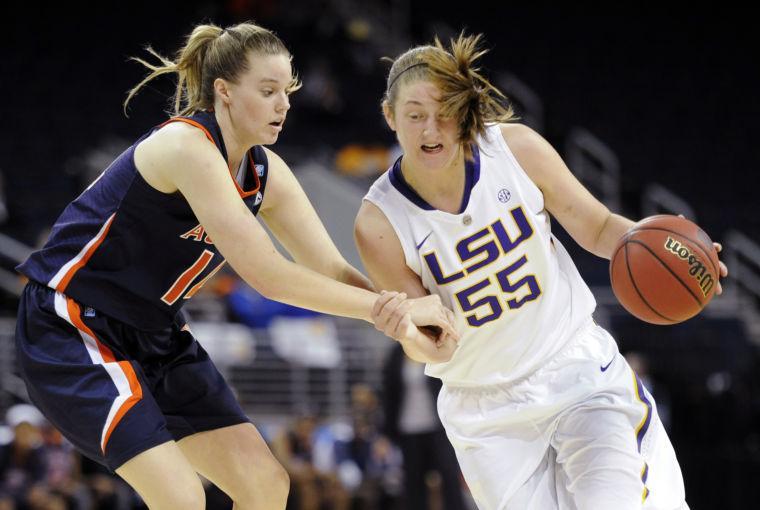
[(541, 408), (102, 344)]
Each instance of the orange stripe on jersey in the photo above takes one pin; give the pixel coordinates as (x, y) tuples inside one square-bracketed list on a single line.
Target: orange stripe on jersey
[(192, 123), (241, 191), (135, 388), (201, 283), (95, 244), (76, 318), (252, 166), (185, 279)]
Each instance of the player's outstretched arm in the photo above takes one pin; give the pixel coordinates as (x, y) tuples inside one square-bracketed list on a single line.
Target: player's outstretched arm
[(585, 218), (292, 219), (179, 158)]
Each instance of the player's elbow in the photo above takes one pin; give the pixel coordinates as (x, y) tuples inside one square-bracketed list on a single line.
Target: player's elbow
[(269, 286)]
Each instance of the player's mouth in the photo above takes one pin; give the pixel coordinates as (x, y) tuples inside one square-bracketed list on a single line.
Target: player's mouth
[(277, 124), (431, 148)]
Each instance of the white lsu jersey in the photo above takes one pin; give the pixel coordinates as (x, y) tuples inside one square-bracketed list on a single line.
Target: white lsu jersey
[(517, 296)]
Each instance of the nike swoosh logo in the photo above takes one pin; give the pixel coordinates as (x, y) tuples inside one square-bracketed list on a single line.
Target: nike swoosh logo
[(423, 241), (605, 367)]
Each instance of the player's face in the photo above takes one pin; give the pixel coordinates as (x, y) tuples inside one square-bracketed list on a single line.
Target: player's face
[(428, 139), (259, 100)]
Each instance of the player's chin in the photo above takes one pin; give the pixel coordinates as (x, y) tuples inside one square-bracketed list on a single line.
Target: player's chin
[(268, 137), (435, 161)]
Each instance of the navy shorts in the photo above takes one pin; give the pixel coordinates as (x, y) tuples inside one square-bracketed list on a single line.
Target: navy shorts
[(112, 390)]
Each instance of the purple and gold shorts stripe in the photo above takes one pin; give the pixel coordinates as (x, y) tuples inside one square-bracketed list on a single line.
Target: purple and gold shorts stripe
[(643, 426), (642, 429), (644, 476)]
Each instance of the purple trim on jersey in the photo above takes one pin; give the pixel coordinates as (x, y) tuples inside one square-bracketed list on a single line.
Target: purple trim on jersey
[(471, 177), (642, 395), (398, 182)]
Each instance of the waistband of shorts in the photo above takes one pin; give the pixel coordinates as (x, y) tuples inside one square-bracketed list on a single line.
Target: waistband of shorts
[(179, 321), (555, 358)]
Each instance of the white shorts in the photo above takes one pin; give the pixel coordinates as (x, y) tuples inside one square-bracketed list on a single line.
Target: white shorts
[(569, 436)]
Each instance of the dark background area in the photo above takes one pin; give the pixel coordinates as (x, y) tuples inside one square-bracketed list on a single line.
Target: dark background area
[(673, 92)]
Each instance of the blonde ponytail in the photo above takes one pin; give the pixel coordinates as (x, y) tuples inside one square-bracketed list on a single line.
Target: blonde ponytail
[(211, 52)]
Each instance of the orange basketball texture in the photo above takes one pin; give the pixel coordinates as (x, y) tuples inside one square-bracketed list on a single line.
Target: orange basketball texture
[(664, 270)]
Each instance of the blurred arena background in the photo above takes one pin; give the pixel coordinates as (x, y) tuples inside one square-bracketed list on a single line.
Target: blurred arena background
[(655, 110)]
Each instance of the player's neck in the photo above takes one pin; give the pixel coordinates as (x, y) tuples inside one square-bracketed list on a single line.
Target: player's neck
[(236, 148), (442, 188)]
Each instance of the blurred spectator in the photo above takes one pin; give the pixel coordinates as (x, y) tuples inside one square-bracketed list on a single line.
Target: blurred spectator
[(108, 492), (62, 469), (321, 90), (369, 464), (411, 419), (314, 483), (365, 407), (40, 497), (22, 461)]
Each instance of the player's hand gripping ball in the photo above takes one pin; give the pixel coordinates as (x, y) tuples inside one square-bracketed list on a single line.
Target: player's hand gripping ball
[(664, 270)]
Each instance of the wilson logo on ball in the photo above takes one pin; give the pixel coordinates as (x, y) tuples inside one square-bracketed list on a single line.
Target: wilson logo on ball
[(697, 269)]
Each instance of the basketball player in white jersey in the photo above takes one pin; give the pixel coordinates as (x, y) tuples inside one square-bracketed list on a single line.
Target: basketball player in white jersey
[(541, 408)]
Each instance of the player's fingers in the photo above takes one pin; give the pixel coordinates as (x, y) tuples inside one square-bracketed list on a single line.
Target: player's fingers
[(682, 216), (403, 328), (390, 306), (381, 300), (392, 327), (445, 351), (386, 311), (444, 341), (723, 269), (718, 247), (719, 289), (447, 325)]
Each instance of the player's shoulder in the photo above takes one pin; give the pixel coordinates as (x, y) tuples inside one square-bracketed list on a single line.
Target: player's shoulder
[(175, 140), (380, 189), (531, 150), (521, 139), (377, 240), (174, 146), (371, 218), (372, 225), (274, 160)]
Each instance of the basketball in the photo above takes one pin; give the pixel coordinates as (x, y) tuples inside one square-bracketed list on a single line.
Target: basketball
[(664, 270)]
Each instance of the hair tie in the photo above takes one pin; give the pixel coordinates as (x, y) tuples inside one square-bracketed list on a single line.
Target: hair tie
[(418, 64)]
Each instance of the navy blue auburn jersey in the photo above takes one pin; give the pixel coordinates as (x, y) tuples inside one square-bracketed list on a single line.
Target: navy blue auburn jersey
[(132, 252)]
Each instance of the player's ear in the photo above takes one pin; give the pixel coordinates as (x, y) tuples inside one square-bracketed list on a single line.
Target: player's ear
[(388, 114), (222, 90)]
